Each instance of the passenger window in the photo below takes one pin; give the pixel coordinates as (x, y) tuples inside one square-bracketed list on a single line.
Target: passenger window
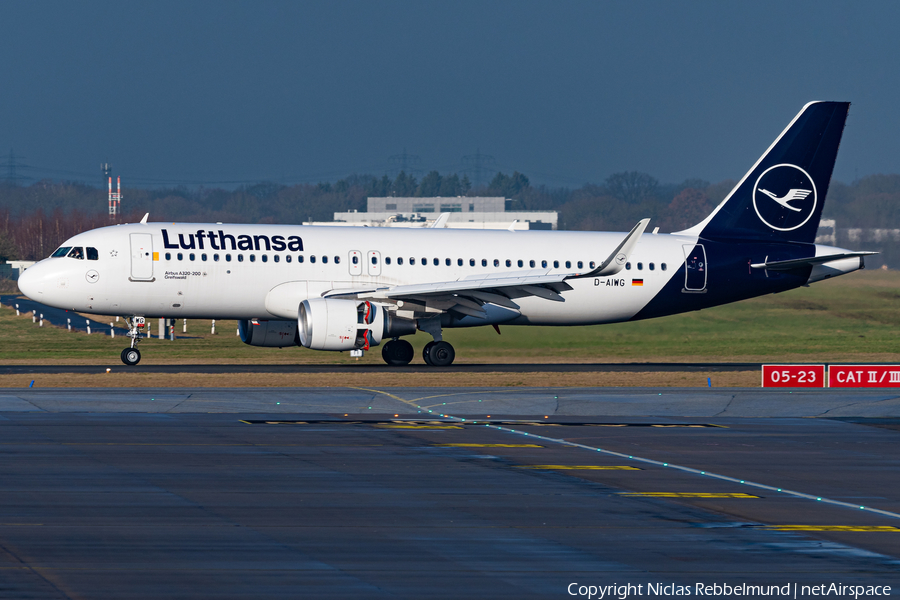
[(531, 263), (265, 258), (580, 265), (60, 252), (447, 262), (312, 258), (252, 258), (412, 260), (424, 262), (544, 264), (459, 262), (651, 266), (508, 263), (374, 260), (593, 264), (191, 256), (568, 264), (203, 257), (287, 258), (355, 260), (180, 256), (496, 263), (640, 266), (483, 262), (555, 264), (168, 256), (276, 258), (387, 260), (77, 252), (324, 260), (92, 254), (521, 264), (399, 260), (240, 258), (337, 260), (663, 266), (437, 262), (471, 262), (227, 258), (215, 258), (300, 258)]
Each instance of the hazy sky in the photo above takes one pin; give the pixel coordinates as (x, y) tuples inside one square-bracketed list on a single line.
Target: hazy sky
[(566, 92)]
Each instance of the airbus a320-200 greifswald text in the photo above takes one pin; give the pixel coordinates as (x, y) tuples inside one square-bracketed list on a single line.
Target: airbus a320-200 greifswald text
[(339, 289)]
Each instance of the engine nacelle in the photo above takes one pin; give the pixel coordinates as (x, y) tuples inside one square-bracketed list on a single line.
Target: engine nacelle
[(273, 334), (334, 324)]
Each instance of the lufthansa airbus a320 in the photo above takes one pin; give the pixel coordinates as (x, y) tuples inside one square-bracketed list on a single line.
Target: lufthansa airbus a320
[(340, 289)]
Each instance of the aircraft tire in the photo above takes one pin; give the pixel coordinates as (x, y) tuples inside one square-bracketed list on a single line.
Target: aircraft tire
[(426, 353), (131, 356), (441, 354), (397, 353)]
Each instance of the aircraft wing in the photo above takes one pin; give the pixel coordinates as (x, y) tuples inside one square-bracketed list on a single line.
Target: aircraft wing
[(468, 296)]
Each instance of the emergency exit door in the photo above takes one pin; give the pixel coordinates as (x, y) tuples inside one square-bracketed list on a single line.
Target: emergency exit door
[(141, 257)]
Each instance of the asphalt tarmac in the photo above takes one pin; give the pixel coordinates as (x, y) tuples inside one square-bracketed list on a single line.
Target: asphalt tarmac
[(310, 493)]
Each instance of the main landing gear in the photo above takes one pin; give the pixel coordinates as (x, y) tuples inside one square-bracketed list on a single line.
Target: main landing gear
[(437, 353), (397, 353), (131, 355)]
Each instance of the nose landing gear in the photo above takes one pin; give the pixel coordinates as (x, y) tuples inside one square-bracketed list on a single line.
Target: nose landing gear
[(131, 355)]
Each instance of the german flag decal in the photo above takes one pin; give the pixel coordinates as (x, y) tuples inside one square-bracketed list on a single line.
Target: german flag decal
[(637, 282)]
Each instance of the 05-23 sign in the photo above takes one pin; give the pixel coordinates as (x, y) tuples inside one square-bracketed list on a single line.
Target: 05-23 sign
[(793, 376)]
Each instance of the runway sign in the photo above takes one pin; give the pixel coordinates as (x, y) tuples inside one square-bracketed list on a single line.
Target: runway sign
[(856, 376), (812, 376)]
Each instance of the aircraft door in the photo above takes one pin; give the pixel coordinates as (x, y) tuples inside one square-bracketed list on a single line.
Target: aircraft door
[(373, 260), (355, 262), (141, 257), (695, 268)]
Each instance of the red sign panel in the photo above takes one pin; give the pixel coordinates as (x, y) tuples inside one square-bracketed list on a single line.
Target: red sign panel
[(857, 376), (793, 376)]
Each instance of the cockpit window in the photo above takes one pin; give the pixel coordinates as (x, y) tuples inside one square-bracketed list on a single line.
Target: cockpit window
[(61, 252), (77, 252), (92, 254)]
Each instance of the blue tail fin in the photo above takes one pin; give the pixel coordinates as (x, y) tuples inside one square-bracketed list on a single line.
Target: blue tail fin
[(781, 198)]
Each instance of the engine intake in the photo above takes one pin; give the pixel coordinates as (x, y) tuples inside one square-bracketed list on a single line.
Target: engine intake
[(334, 324), (272, 334)]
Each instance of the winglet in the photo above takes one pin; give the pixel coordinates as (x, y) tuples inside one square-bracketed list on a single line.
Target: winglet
[(144, 220), (440, 222), (512, 226), (616, 261)]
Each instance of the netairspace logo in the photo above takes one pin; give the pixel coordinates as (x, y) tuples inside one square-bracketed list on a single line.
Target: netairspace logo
[(723, 590)]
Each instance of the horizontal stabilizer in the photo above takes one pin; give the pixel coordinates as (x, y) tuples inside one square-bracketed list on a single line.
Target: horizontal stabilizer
[(615, 262), (787, 265)]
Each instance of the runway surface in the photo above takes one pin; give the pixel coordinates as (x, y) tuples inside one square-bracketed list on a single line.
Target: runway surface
[(352, 493), (383, 368)]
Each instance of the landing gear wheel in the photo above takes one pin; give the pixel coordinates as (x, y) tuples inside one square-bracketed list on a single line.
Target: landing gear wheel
[(131, 356), (397, 353), (440, 354), (425, 353)]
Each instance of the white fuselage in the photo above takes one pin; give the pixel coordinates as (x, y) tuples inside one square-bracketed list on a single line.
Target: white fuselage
[(135, 273)]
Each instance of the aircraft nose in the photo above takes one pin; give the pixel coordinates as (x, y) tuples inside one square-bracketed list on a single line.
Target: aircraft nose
[(28, 283)]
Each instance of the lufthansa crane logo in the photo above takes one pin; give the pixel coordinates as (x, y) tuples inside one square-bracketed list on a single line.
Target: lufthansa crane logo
[(784, 197)]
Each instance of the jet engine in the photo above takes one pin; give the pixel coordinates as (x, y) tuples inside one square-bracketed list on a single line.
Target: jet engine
[(334, 324), (273, 334)]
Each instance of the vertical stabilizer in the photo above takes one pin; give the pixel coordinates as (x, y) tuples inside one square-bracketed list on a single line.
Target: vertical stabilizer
[(781, 198)]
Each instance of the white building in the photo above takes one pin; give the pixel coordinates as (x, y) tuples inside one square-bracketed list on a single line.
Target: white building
[(464, 213)]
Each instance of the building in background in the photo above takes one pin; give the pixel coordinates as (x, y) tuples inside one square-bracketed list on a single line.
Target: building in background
[(481, 212)]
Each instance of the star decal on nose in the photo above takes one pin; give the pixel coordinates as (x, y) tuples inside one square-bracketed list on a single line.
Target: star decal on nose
[(113, 253)]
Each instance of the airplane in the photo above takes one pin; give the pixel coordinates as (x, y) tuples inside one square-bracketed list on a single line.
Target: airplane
[(340, 289)]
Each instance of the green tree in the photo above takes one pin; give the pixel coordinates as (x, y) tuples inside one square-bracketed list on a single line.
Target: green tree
[(8, 250), (430, 185), (508, 186), (404, 185), (631, 186)]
